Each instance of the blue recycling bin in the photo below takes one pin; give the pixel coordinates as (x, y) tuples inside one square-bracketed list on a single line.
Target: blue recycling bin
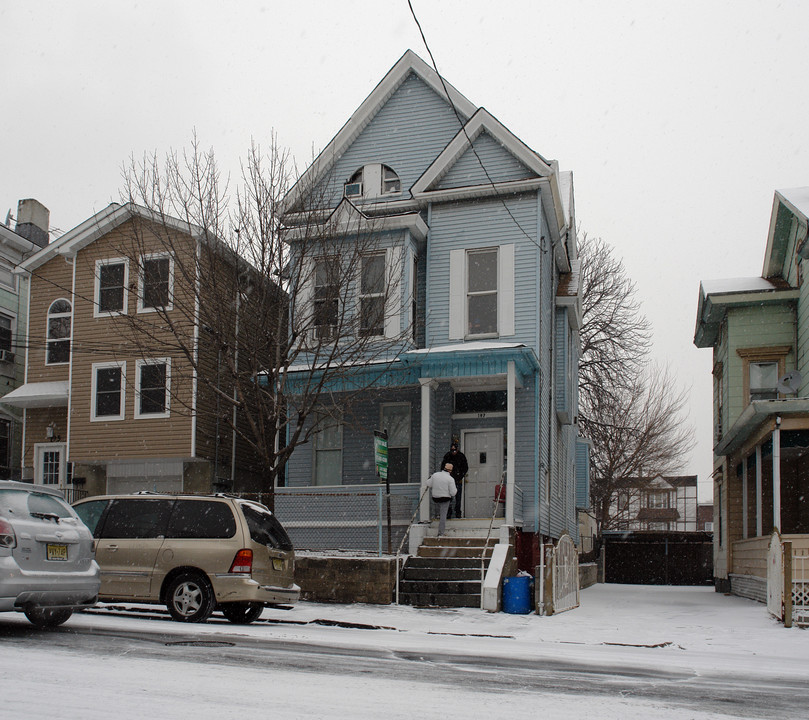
[(518, 594)]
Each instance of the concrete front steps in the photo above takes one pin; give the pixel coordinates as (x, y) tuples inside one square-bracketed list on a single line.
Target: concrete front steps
[(446, 572)]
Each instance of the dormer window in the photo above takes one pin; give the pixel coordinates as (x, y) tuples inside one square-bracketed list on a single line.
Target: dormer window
[(372, 181)]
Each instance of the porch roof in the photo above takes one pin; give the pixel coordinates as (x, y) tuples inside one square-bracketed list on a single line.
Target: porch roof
[(753, 417), (461, 360), (472, 359), (38, 395)]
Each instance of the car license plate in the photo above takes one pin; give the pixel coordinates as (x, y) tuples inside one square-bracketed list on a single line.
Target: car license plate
[(277, 564), (57, 552)]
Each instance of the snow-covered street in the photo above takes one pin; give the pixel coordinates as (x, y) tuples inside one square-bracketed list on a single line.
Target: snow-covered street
[(628, 651)]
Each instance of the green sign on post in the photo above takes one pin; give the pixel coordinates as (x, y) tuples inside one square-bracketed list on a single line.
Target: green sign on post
[(381, 453)]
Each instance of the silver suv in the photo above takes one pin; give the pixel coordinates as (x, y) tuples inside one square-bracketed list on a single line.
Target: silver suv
[(194, 553), (46, 555)]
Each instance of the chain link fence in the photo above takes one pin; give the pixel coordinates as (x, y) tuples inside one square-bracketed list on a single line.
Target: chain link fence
[(344, 518)]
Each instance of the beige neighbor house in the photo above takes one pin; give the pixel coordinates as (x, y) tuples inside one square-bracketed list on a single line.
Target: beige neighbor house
[(758, 329), (111, 402)]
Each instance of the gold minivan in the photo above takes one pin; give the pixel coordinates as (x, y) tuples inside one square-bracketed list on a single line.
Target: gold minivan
[(194, 553)]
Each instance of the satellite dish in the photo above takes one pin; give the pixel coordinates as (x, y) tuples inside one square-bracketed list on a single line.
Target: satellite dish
[(790, 383)]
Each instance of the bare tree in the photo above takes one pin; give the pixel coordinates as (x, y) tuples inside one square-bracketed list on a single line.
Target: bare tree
[(630, 408), (270, 319)]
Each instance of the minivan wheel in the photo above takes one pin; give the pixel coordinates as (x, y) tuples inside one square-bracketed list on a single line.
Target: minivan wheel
[(47, 617), (189, 598), (242, 613)]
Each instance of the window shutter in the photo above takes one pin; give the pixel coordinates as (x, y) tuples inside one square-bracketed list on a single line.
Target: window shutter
[(505, 289), (393, 309), (457, 294)]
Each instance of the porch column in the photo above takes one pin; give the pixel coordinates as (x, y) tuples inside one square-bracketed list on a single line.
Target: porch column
[(776, 475), (427, 387), (744, 498), (759, 517), (511, 427)]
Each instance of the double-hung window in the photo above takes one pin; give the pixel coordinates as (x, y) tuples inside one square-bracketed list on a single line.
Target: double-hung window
[(152, 385), (372, 295), (329, 453), (481, 292), (327, 298), (111, 281), (109, 391), (156, 281), (763, 381), (60, 315)]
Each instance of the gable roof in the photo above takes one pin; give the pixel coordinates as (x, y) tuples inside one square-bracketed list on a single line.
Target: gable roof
[(407, 64), (99, 225), (481, 121), (787, 205)]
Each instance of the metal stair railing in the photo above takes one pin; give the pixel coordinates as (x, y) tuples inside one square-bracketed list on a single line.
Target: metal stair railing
[(404, 537)]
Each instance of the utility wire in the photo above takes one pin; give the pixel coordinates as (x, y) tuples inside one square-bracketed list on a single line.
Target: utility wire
[(466, 135)]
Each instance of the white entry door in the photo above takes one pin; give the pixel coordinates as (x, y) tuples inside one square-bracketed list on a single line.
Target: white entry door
[(49, 464), (484, 453)]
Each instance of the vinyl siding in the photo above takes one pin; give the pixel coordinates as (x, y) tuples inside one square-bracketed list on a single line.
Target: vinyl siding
[(757, 326), (481, 224), (104, 339), (407, 134), (501, 165)]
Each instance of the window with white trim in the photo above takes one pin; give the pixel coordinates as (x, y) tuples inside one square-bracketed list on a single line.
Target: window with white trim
[(156, 282), (372, 295), (481, 292), (371, 181), (111, 282), (60, 320), (329, 453), (152, 386), (108, 391)]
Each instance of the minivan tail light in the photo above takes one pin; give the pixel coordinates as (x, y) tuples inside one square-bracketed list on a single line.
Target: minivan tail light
[(7, 537), (243, 562)]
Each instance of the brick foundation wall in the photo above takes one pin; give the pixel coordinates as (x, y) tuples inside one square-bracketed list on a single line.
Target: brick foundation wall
[(346, 580)]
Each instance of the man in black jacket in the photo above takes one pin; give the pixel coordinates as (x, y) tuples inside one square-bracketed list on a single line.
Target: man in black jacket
[(459, 468)]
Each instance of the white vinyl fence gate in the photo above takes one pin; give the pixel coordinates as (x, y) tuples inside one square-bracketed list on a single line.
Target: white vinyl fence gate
[(559, 589)]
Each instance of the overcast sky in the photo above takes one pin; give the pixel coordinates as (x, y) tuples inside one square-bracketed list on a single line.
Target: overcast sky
[(678, 120)]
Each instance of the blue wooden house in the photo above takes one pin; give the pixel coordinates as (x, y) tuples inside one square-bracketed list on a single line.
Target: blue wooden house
[(478, 234)]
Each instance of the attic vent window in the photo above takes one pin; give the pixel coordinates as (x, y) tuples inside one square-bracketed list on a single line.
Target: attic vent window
[(373, 181), (353, 188), (390, 181)]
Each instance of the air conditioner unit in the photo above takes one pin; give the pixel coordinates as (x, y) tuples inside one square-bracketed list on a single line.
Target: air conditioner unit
[(6, 356), (353, 189)]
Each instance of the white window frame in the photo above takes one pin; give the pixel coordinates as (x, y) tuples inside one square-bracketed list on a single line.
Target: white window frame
[(121, 365), (470, 294), (49, 341), (141, 280), (458, 305), (97, 311), (139, 365), (372, 295)]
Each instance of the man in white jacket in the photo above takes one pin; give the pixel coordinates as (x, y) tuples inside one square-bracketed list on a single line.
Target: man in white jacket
[(442, 489)]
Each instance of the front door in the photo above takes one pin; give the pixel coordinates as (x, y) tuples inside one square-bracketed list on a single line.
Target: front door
[(49, 464), (484, 453)]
